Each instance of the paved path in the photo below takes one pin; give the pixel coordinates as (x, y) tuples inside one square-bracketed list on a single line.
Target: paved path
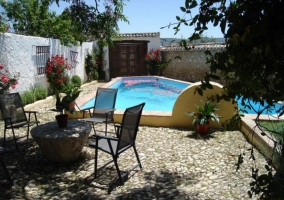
[(177, 164)]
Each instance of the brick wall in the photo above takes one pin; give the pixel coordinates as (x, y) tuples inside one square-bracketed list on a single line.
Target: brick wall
[(192, 65)]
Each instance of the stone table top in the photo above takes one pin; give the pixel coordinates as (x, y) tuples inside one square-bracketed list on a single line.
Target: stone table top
[(62, 145), (51, 130)]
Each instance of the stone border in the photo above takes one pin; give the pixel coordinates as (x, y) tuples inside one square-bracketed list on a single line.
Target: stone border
[(262, 143)]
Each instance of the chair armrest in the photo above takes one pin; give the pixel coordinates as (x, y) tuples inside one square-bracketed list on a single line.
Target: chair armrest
[(106, 137), (83, 110), (97, 137), (112, 110), (7, 118), (109, 112), (86, 109), (117, 125), (30, 111)]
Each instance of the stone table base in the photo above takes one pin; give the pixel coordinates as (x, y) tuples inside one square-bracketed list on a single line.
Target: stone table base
[(62, 145)]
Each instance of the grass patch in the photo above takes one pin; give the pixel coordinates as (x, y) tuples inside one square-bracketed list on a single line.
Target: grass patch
[(275, 128)]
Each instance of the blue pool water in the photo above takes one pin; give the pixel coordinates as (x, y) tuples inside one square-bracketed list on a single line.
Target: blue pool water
[(256, 107), (160, 95)]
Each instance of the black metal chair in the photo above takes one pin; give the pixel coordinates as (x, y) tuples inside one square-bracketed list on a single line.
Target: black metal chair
[(103, 109), (4, 151), (125, 139), (14, 115)]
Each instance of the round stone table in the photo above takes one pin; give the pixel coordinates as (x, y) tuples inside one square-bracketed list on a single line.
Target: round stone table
[(61, 145)]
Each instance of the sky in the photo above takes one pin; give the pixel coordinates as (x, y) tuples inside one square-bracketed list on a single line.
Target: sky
[(146, 16), (150, 15)]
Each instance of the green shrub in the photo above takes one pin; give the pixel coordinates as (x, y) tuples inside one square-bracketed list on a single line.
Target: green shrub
[(28, 97), (40, 93), (76, 80), (91, 65)]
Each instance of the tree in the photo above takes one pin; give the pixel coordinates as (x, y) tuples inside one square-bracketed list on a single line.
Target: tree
[(78, 22), (4, 26), (252, 63), (31, 17)]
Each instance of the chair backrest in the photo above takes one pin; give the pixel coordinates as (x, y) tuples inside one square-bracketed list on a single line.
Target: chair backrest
[(104, 101), (11, 106), (129, 126)]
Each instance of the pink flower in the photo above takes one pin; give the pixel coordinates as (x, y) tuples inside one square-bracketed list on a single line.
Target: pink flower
[(5, 80)]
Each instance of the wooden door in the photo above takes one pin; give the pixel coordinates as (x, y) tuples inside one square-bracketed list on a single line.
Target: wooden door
[(127, 59)]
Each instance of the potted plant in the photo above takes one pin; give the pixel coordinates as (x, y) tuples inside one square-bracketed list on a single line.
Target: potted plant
[(63, 104), (204, 114)]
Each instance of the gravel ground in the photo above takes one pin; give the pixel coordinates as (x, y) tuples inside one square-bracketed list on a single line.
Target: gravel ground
[(177, 164)]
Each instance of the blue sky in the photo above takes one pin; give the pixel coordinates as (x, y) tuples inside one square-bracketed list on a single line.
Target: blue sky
[(150, 16)]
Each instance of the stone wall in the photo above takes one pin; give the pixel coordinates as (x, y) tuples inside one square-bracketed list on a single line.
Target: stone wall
[(192, 65)]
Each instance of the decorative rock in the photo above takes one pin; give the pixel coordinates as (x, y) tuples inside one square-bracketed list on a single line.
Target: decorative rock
[(61, 145)]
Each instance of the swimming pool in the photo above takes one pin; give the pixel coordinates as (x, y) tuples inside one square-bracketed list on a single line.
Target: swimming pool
[(158, 93), (256, 107)]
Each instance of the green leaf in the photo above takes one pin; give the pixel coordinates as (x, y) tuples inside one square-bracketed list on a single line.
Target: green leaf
[(209, 86), (200, 91), (223, 25), (214, 77), (193, 4), (183, 9)]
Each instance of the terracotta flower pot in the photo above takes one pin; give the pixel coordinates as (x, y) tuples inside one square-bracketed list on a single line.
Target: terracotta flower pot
[(62, 120), (202, 129)]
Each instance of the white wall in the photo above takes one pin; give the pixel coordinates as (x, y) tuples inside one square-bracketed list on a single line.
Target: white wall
[(18, 54)]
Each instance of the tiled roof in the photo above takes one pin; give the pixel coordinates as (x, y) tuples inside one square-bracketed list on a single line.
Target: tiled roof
[(196, 47), (137, 35)]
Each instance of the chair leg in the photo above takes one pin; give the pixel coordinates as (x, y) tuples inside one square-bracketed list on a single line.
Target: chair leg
[(15, 140), (28, 131), (96, 163), (106, 129), (94, 128), (117, 169), (4, 141), (6, 171), (114, 126), (138, 160)]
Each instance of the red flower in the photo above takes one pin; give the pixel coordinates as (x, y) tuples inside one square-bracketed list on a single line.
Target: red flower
[(7, 82), (56, 70)]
